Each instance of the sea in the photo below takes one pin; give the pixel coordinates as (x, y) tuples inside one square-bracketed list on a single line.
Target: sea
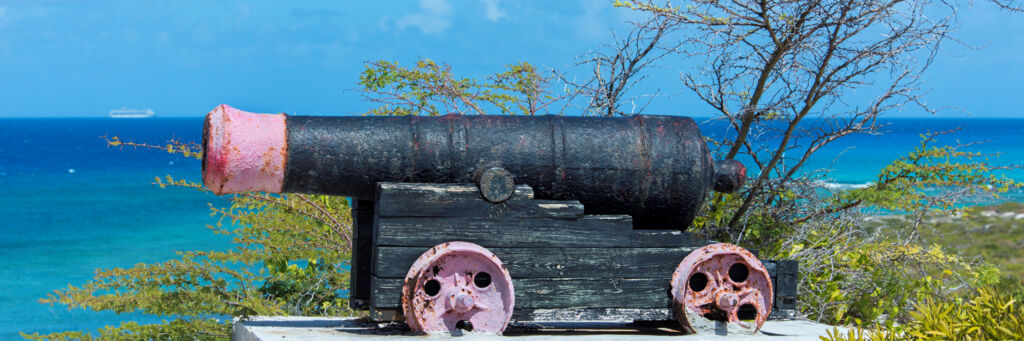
[(70, 205)]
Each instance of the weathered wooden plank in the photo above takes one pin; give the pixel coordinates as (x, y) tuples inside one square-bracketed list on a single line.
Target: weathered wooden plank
[(536, 208), (592, 314), (786, 284), (666, 238), (555, 262), (548, 315), (362, 254), (448, 200), (441, 191), (589, 231), (560, 293), (412, 206), (579, 314)]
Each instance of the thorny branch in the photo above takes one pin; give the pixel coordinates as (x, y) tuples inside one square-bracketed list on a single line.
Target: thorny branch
[(769, 66), (616, 68)]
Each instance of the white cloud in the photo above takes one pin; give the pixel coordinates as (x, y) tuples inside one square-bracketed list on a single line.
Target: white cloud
[(492, 12), (434, 17)]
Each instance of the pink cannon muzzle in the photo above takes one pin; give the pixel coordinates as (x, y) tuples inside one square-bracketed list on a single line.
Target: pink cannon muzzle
[(243, 151)]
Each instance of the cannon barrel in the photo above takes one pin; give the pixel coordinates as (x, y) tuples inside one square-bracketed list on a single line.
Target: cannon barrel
[(656, 168)]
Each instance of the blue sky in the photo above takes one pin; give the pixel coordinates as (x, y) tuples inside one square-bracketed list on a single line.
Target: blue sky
[(182, 58)]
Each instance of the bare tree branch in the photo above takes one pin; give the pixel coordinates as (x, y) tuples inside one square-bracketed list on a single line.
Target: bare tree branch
[(617, 67)]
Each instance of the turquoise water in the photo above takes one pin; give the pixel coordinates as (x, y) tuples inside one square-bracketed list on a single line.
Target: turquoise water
[(70, 205), (856, 159)]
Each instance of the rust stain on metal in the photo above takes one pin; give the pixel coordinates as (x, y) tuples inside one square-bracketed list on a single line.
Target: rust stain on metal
[(243, 151), (651, 167), (453, 298), (722, 282)]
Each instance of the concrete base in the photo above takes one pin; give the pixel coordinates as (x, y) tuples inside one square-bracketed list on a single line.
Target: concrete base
[(348, 328)]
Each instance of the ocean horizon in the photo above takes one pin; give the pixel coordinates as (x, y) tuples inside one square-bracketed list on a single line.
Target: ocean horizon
[(72, 205)]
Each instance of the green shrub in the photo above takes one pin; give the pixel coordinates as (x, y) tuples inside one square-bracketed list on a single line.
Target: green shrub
[(993, 312), (865, 282), (291, 257)]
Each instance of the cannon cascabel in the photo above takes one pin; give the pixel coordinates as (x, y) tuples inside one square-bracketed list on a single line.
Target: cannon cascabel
[(655, 168)]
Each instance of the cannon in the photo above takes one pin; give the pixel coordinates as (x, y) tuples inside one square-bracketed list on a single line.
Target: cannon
[(654, 168), (470, 222)]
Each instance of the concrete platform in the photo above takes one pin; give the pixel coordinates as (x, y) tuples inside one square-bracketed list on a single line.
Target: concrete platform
[(347, 328)]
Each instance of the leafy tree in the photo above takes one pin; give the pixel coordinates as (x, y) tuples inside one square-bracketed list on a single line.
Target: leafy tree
[(431, 89), (782, 75)]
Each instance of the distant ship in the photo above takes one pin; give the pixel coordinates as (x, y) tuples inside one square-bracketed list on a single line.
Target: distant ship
[(131, 113)]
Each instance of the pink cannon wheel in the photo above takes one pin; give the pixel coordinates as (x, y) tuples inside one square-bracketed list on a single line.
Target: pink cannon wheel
[(722, 282), (458, 286)]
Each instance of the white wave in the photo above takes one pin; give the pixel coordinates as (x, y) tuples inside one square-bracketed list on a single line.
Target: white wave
[(842, 186)]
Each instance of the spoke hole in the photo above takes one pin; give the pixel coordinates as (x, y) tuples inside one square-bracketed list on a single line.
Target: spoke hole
[(698, 282), (432, 287), (746, 312), (464, 325), (482, 279), (738, 272)]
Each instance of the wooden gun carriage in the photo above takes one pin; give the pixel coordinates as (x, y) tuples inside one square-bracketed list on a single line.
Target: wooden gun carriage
[(469, 222)]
